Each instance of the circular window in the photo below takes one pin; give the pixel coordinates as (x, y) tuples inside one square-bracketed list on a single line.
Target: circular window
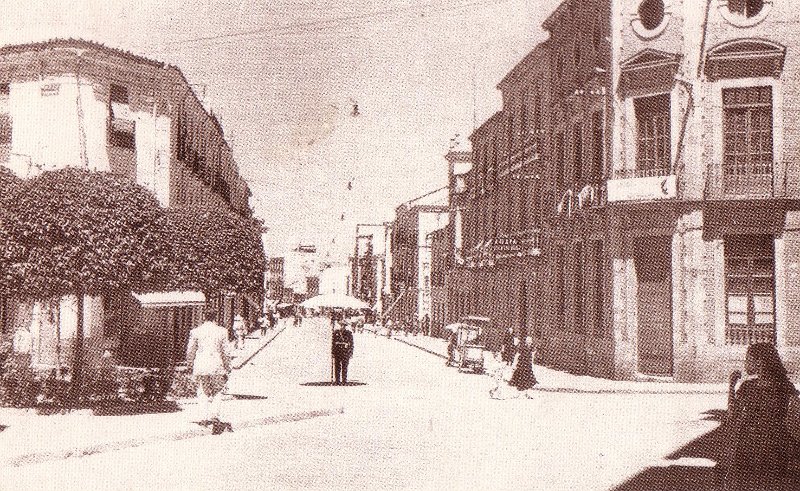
[(651, 13), (744, 13), (651, 18)]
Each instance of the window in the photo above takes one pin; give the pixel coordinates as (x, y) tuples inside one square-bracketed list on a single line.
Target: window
[(597, 37), (523, 115), (559, 160), (597, 147), (510, 128), (597, 253), (653, 135), (5, 129), (746, 8), (577, 152), (122, 127), (5, 90), (560, 288), (747, 126), (749, 289), (578, 295), (651, 13), (118, 93)]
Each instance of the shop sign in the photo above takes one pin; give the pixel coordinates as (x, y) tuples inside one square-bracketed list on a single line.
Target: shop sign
[(641, 188), (506, 246)]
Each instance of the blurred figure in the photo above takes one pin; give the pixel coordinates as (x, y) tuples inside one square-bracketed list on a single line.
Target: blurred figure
[(758, 443), (240, 330), (208, 358), (523, 378)]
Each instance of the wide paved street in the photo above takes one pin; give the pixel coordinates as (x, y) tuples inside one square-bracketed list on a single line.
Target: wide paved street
[(413, 424)]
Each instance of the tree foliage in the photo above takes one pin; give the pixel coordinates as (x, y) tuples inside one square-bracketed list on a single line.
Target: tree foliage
[(213, 250), (85, 231), (11, 251)]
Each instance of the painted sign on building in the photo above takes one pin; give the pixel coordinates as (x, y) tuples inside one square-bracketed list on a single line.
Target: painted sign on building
[(642, 188)]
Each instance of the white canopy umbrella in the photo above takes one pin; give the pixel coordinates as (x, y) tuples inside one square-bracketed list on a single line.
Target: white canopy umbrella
[(334, 300)]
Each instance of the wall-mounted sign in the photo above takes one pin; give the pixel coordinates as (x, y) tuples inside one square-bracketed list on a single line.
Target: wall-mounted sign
[(50, 89), (506, 246), (641, 188)]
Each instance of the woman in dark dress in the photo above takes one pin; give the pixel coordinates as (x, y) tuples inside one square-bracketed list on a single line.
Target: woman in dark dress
[(758, 444), (523, 378)]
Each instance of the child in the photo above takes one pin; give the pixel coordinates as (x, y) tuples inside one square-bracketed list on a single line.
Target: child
[(499, 372)]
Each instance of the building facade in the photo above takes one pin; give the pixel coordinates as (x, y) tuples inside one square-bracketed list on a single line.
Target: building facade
[(77, 103), (498, 209), (664, 184), (411, 256), (370, 259)]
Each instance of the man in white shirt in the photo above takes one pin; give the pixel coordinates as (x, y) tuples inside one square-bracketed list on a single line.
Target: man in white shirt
[(208, 357)]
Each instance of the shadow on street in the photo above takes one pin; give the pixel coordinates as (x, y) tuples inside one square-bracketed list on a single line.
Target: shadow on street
[(131, 408), (682, 475), (328, 383)]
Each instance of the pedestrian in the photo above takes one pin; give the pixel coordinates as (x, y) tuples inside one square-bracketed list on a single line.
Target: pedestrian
[(263, 323), (523, 378), (757, 445), (426, 325), (508, 348), (499, 371), (273, 319), (342, 351), (451, 348), (22, 344), (298, 317), (240, 330), (208, 358)]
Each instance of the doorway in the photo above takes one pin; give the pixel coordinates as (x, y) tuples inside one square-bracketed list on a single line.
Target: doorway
[(653, 261)]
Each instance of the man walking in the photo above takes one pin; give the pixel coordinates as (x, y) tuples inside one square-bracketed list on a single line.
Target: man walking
[(207, 356), (342, 350)]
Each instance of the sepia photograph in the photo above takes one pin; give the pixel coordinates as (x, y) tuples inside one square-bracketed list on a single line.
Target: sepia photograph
[(492, 245)]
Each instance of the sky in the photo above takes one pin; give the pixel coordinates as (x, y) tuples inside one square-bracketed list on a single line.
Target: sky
[(284, 76)]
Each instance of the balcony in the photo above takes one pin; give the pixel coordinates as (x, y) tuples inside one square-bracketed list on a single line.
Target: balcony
[(747, 186)]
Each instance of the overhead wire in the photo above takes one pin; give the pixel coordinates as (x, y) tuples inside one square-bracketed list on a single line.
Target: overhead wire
[(324, 24)]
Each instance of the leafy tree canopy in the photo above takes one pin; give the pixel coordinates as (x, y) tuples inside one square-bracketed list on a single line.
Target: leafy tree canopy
[(214, 250), (84, 230)]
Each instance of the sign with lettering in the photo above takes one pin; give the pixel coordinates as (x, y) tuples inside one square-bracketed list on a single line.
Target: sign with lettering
[(641, 188)]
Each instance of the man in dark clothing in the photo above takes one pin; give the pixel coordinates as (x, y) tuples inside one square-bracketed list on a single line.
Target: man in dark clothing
[(342, 350)]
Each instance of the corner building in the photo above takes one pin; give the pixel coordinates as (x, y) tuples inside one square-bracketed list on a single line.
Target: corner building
[(68, 102), (667, 194)]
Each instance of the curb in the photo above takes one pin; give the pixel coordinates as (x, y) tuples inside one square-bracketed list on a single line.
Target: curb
[(573, 390), (420, 348), (48, 456), (254, 353)]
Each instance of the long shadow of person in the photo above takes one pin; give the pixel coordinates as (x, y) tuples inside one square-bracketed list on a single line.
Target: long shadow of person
[(691, 467)]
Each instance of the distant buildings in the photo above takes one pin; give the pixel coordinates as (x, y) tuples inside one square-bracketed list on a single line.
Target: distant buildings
[(411, 255)]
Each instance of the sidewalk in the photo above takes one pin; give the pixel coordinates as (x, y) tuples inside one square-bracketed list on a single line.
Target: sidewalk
[(28, 438), (253, 344), (551, 380)]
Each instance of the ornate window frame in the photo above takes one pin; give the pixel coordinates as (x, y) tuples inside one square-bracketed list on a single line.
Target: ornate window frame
[(644, 33), (741, 21)]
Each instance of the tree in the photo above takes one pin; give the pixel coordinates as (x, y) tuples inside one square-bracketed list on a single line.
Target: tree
[(11, 252), (85, 233), (214, 251)]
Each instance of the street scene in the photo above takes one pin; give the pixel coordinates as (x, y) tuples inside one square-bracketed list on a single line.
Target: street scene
[(405, 421), (400, 244)]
